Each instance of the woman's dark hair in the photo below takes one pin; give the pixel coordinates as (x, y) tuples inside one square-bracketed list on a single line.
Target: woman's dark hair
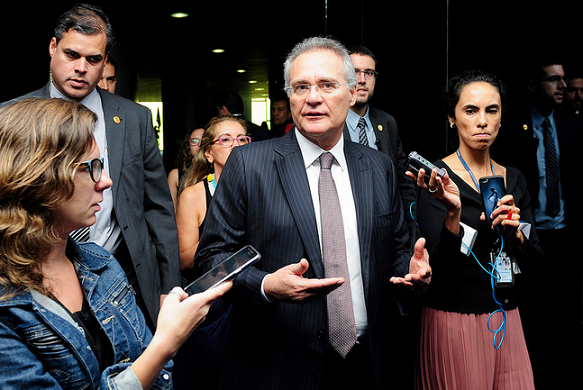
[(458, 82), (184, 158)]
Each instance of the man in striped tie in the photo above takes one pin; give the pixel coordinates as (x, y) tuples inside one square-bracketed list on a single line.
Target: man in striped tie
[(374, 127), (543, 141), (319, 310)]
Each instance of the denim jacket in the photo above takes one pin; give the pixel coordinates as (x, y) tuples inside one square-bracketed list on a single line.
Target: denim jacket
[(41, 346)]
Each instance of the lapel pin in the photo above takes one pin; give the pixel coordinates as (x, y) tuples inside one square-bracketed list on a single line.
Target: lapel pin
[(380, 127), (524, 127), (116, 120)]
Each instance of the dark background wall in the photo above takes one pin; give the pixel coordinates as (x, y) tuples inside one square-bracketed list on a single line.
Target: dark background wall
[(418, 45)]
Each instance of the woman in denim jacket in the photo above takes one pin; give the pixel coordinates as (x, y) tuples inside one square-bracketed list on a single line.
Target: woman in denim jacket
[(68, 317)]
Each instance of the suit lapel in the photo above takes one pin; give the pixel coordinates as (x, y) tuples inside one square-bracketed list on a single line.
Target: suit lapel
[(360, 179), (115, 127), (292, 173), (381, 131)]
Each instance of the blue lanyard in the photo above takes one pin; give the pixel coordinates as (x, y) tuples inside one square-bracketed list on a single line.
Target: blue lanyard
[(470, 171)]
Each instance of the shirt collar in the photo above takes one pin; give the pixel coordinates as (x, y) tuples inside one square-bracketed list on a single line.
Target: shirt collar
[(311, 152), (91, 101), (537, 118), (353, 118)]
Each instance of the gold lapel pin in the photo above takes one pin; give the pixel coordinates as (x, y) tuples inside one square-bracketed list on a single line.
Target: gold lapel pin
[(116, 120), (380, 127), (524, 127)]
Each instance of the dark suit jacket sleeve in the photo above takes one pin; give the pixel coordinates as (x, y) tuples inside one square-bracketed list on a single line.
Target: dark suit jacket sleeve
[(389, 142), (142, 202), (225, 231), (159, 212)]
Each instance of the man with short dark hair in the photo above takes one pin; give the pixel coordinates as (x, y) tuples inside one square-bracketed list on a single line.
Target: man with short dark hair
[(281, 117), (108, 80), (136, 222), (573, 97), (374, 127), (544, 143), (231, 103)]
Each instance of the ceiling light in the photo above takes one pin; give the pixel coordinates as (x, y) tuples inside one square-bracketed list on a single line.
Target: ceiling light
[(218, 50), (252, 81), (179, 15), (241, 71)]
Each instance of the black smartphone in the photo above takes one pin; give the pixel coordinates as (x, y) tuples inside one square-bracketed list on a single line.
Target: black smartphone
[(492, 189), (226, 270), (417, 162)]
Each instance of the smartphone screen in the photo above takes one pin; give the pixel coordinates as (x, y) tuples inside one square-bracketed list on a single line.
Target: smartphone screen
[(492, 190), (224, 271)]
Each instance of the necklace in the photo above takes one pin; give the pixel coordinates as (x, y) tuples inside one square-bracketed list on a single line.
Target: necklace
[(212, 183), (459, 155)]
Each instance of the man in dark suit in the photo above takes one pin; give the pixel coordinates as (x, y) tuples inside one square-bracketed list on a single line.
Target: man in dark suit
[(136, 221), (280, 337), (534, 130), (374, 127)]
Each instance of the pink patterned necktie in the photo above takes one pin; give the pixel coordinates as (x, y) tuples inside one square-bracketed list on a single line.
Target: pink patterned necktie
[(341, 325)]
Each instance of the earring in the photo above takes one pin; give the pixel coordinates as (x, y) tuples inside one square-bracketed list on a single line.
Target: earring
[(451, 124)]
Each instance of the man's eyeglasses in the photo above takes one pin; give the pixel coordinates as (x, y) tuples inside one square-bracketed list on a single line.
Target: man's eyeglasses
[(194, 141), (555, 79), (323, 87), (95, 167), (369, 74), (227, 140)]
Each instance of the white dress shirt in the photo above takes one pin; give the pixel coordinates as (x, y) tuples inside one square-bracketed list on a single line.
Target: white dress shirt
[(311, 154), (105, 231)]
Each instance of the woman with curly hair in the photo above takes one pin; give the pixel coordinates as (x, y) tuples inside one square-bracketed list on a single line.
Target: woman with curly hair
[(68, 316)]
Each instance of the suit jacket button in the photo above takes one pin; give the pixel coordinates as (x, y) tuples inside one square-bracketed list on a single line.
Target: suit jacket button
[(320, 334)]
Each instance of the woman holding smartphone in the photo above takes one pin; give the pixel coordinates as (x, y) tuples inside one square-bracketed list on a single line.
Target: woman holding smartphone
[(68, 316), (471, 332)]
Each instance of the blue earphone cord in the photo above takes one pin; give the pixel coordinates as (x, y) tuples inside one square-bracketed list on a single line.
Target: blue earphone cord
[(493, 276), (502, 327)]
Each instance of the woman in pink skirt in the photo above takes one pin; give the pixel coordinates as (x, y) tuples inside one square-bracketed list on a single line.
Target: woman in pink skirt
[(471, 332)]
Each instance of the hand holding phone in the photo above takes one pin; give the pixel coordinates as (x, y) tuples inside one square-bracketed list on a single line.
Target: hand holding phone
[(226, 270), (492, 189), (417, 162)]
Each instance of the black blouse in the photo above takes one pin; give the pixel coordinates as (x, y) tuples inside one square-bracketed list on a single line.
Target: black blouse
[(95, 335), (459, 284)]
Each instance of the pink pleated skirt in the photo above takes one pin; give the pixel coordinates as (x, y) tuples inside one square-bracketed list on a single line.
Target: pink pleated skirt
[(457, 352)]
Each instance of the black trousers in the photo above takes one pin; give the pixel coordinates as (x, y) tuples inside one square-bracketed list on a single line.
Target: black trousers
[(354, 372)]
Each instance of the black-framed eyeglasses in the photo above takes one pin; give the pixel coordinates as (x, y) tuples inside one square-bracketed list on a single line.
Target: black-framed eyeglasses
[(94, 166), (227, 140), (194, 141), (369, 74)]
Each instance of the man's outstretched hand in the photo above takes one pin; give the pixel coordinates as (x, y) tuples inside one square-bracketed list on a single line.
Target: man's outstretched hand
[(288, 284), (419, 275)]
